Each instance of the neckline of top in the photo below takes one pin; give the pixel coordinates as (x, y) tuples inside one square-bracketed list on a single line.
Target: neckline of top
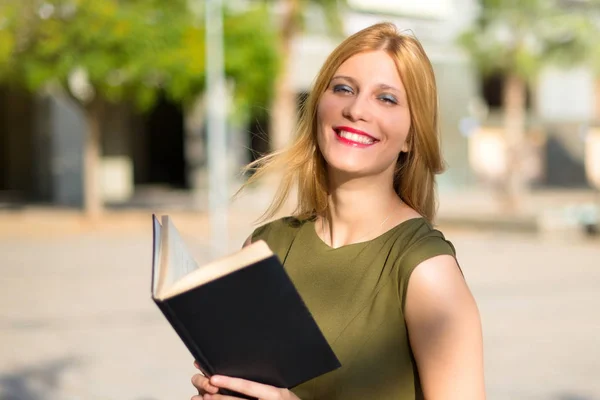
[(313, 230)]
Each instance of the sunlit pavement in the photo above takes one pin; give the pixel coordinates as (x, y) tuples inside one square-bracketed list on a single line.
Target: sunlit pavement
[(77, 322)]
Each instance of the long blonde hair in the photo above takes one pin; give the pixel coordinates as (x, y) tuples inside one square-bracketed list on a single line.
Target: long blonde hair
[(302, 163)]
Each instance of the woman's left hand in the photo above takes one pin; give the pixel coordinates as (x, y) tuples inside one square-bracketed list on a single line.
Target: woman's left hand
[(249, 388)]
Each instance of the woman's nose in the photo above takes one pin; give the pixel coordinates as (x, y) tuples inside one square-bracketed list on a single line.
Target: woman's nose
[(357, 109)]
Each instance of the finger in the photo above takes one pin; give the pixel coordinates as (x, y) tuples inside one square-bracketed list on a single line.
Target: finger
[(206, 386), (203, 384), (242, 386), (219, 397)]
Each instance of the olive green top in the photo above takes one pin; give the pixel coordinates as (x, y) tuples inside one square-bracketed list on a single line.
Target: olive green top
[(356, 294)]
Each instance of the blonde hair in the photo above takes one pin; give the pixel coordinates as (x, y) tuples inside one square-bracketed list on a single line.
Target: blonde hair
[(302, 163)]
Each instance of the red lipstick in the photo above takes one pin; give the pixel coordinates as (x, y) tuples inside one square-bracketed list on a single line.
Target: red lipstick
[(349, 142), (352, 130)]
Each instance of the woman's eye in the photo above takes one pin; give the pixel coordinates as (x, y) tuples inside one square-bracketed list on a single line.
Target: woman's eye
[(388, 99), (342, 89)]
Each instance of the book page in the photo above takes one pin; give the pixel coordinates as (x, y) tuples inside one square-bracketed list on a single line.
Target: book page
[(156, 245), (217, 268), (175, 257)]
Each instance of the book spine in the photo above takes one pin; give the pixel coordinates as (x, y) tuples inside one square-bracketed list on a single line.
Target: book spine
[(205, 366)]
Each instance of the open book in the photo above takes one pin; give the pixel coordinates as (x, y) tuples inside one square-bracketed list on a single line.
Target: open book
[(239, 315)]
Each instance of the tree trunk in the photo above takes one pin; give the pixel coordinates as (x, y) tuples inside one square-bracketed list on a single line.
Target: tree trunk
[(515, 91), (93, 204), (283, 108)]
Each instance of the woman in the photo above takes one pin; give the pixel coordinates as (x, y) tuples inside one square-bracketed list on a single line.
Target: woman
[(381, 282)]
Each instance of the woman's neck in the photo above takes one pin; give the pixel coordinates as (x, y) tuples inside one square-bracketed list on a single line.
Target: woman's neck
[(359, 210)]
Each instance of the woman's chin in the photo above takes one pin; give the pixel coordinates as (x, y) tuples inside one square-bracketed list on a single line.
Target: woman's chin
[(345, 169), (348, 169)]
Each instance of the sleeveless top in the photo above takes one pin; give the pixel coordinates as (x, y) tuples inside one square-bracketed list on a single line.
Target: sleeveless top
[(356, 294)]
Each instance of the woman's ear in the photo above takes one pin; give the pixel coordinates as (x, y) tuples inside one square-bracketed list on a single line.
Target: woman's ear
[(408, 141), (406, 145)]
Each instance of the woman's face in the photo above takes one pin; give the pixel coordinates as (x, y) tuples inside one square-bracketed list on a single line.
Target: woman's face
[(363, 116)]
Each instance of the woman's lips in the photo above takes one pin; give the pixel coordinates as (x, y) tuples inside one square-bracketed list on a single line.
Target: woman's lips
[(354, 137)]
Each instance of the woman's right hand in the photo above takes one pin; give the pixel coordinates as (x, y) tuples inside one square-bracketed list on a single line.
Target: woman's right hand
[(202, 383)]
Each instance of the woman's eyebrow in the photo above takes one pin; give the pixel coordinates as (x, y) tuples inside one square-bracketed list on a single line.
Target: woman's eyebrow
[(383, 86), (348, 78)]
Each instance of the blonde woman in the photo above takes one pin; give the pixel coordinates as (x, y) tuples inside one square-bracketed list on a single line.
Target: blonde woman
[(382, 283)]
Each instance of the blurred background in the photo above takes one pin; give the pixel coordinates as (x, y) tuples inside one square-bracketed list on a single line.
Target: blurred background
[(112, 110)]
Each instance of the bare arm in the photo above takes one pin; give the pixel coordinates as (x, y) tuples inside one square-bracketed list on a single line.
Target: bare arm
[(445, 331)]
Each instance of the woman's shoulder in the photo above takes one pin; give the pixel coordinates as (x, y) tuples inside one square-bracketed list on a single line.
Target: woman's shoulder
[(279, 233), (422, 240), (424, 232), (277, 227)]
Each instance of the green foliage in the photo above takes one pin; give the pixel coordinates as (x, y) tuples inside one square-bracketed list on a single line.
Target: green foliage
[(131, 50), (7, 44), (520, 36), (251, 57)]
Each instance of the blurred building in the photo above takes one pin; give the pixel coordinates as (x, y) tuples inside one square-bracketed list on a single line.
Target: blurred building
[(42, 142), (41, 137)]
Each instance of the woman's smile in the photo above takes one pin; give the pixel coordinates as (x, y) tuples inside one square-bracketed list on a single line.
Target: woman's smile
[(354, 137)]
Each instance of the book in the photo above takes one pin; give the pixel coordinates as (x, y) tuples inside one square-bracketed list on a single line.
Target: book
[(239, 315)]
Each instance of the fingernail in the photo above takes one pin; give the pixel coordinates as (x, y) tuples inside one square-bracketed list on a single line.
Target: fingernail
[(215, 379)]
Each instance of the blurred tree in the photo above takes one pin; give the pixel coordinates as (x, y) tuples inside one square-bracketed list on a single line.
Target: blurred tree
[(7, 39), (516, 38), (291, 23), (113, 51)]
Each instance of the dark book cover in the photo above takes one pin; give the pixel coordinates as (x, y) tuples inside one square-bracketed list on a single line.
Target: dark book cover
[(251, 324)]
